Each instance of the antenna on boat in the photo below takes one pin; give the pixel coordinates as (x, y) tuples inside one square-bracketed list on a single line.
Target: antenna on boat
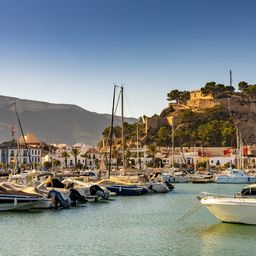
[(230, 79)]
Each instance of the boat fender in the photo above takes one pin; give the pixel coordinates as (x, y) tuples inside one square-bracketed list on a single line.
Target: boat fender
[(15, 202)]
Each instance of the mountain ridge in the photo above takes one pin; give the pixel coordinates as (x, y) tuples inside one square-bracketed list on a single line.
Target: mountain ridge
[(53, 122)]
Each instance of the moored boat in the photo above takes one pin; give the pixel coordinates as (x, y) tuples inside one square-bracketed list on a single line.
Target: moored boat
[(17, 200), (241, 208), (235, 176), (202, 178)]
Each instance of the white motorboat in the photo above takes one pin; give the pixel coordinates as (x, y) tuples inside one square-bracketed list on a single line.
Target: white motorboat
[(177, 177), (235, 176), (202, 177), (33, 182), (158, 184), (238, 209), (17, 200), (91, 191)]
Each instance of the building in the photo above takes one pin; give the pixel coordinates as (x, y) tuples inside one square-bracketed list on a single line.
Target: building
[(198, 101), (15, 154)]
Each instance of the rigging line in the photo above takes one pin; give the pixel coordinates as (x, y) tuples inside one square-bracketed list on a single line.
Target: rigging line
[(23, 136), (131, 110), (117, 103), (187, 214), (114, 114)]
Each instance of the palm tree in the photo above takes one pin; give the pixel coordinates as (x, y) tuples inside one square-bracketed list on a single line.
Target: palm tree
[(116, 155), (85, 156), (75, 153), (152, 151), (65, 155)]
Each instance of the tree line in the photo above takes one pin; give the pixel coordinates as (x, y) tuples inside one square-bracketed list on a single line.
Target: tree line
[(217, 90)]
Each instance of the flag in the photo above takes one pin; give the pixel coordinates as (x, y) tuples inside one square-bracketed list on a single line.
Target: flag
[(13, 131)]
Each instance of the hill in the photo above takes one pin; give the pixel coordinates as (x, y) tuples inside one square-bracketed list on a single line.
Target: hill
[(205, 121), (55, 123)]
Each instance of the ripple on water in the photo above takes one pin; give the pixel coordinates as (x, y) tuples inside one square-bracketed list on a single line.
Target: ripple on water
[(144, 225)]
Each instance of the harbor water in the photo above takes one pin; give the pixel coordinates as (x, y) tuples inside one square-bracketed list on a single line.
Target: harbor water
[(142, 225)]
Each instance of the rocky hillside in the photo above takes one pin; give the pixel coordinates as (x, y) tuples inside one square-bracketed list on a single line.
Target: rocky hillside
[(215, 126), (243, 109), (56, 123)]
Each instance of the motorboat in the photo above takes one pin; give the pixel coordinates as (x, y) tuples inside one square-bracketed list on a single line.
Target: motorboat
[(17, 200), (123, 188), (34, 182), (158, 184), (241, 208), (176, 177), (235, 176), (201, 177), (91, 191)]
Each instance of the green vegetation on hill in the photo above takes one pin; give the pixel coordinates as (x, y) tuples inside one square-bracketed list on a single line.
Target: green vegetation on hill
[(211, 127), (217, 90), (214, 127)]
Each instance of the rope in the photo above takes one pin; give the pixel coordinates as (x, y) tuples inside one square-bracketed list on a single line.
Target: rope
[(194, 209)]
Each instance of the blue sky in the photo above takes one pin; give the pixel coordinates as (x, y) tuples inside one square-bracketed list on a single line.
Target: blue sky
[(64, 51)]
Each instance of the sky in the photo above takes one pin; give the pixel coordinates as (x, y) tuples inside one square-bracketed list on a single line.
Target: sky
[(73, 51)]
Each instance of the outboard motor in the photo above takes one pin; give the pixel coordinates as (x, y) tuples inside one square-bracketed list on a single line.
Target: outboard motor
[(56, 183), (76, 196), (58, 199), (97, 190), (169, 185)]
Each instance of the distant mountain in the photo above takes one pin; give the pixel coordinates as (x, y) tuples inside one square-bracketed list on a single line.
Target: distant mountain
[(54, 123)]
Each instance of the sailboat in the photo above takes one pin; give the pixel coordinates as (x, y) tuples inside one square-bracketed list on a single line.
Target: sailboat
[(116, 185)]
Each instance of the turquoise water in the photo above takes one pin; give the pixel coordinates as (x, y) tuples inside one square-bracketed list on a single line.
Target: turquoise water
[(143, 225)]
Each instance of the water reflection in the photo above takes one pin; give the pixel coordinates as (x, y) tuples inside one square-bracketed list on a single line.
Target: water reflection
[(227, 239)]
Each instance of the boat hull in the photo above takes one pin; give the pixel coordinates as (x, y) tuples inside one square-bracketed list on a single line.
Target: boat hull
[(235, 180), (9, 203), (127, 190), (233, 210), (176, 178), (159, 187)]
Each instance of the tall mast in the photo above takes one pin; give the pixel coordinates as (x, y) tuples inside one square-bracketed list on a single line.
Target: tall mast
[(23, 136), (122, 118), (137, 142), (111, 132), (173, 147)]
